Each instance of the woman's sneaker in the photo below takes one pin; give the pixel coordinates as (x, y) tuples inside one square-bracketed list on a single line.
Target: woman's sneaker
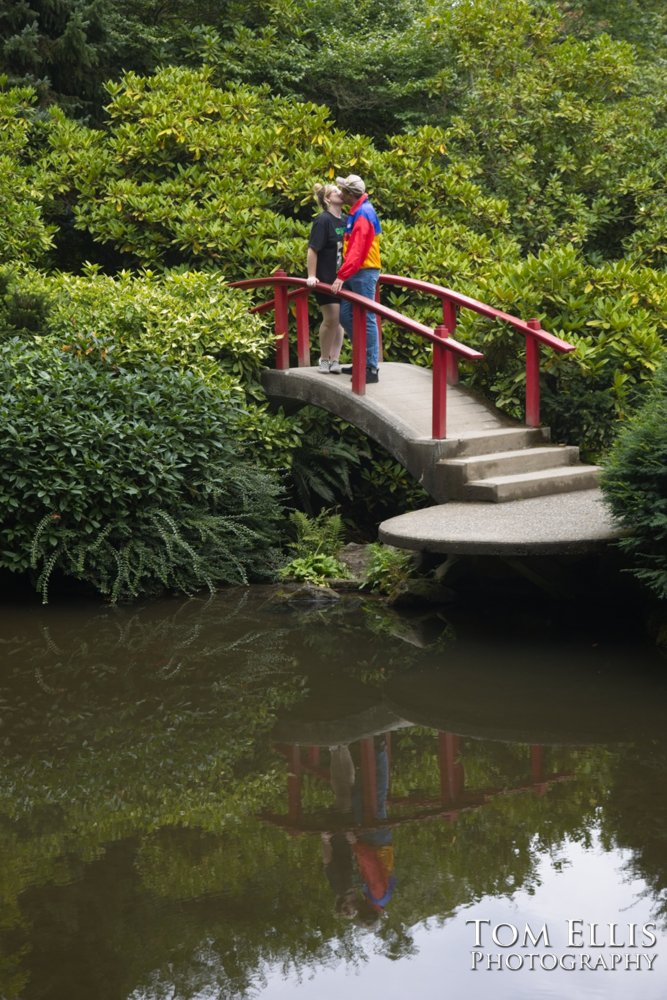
[(324, 366), (335, 368)]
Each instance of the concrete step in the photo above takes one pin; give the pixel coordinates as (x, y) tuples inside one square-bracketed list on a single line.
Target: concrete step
[(487, 442), (510, 463), (564, 479)]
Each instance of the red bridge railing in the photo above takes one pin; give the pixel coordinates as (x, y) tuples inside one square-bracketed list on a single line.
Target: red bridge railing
[(446, 350), (440, 339), (531, 330)]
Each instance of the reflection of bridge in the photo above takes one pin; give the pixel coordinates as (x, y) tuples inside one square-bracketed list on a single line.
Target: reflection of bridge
[(459, 447), (452, 800)]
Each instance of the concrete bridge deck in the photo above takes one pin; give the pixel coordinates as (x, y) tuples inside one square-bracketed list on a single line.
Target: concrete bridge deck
[(500, 487)]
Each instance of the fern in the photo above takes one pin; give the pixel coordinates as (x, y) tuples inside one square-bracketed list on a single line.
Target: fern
[(323, 534)]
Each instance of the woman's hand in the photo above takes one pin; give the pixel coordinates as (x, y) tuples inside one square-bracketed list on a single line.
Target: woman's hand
[(311, 281)]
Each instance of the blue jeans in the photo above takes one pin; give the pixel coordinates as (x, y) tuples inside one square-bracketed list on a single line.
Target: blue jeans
[(363, 283)]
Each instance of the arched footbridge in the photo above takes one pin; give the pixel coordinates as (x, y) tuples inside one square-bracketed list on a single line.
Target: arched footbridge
[(499, 486)]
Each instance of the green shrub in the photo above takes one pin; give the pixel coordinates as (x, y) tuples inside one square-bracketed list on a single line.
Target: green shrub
[(316, 568), (388, 568), (328, 454), (131, 480), (24, 236), (192, 319), (614, 313), (635, 487), (188, 172)]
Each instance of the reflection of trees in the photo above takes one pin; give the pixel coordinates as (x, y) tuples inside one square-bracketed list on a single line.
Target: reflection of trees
[(635, 815), (176, 911), (116, 723), (137, 746)]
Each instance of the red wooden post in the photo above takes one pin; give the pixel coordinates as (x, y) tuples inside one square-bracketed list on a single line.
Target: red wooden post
[(358, 349), (540, 785), (537, 762), (368, 780), (313, 756), (451, 770), (379, 323), (449, 319), (439, 406), (281, 323), (302, 329), (533, 376)]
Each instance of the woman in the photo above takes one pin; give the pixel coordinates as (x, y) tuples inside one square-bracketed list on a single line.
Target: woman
[(325, 246)]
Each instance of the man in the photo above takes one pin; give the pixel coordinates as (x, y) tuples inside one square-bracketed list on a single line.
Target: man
[(360, 269)]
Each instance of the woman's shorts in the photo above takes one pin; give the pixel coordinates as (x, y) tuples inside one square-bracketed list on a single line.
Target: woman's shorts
[(324, 299)]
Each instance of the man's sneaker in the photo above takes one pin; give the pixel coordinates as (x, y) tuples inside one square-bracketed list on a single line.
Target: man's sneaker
[(324, 366), (335, 368), (372, 374)]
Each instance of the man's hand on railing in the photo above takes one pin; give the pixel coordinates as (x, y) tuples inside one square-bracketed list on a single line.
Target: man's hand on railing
[(336, 286)]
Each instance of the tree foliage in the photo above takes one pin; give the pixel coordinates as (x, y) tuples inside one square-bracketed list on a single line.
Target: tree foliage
[(58, 45), (147, 832), (24, 235)]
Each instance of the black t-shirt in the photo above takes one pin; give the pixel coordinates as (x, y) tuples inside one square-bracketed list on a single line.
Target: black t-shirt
[(326, 239)]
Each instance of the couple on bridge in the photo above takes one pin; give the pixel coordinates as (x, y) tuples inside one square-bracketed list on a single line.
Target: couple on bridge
[(344, 252)]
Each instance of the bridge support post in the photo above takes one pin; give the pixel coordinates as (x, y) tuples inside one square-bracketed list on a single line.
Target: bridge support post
[(281, 323), (533, 376), (439, 413)]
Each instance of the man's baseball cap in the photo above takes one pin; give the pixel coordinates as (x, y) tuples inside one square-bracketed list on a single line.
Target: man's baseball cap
[(353, 183)]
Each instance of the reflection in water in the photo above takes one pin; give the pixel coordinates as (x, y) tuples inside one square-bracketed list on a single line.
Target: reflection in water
[(238, 799)]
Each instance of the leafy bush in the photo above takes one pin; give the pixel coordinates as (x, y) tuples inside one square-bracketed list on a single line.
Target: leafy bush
[(614, 313), (161, 186), (328, 454), (24, 236), (188, 172), (635, 487), (388, 568), (131, 480), (192, 319)]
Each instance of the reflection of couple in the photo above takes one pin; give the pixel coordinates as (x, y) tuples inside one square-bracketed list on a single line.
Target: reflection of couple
[(359, 866)]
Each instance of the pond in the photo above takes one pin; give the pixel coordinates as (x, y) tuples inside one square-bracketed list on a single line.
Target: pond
[(244, 797)]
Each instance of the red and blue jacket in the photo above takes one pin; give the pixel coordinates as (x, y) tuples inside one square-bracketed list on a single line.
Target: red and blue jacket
[(361, 242)]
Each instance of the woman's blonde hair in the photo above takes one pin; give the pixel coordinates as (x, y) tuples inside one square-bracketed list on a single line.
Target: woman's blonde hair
[(322, 193)]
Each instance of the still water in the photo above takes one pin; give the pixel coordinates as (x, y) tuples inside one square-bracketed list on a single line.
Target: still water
[(242, 798)]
